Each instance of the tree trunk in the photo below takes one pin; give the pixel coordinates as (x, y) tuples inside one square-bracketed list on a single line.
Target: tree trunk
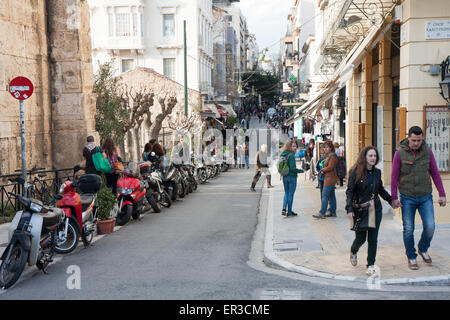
[(131, 152), (137, 141), (156, 126)]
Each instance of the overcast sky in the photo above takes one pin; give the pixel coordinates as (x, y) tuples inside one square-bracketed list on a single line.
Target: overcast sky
[(267, 20)]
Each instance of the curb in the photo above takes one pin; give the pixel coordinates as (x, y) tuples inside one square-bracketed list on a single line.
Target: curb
[(271, 259)]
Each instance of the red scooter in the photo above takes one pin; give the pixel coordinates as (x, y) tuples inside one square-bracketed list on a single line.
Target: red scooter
[(132, 193), (79, 210)]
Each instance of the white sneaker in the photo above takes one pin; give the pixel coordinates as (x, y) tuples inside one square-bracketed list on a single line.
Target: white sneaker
[(353, 259), (371, 270)]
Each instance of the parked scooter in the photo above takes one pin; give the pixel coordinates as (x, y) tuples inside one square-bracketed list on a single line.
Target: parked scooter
[(131, 195), (32, 238), (155, 183), (171, 179), (79, 211)]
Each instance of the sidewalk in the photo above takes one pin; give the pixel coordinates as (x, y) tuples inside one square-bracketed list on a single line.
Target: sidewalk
[(322, 247)]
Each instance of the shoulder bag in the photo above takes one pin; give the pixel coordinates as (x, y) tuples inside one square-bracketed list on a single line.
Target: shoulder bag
[(364, 214), (100, 162)]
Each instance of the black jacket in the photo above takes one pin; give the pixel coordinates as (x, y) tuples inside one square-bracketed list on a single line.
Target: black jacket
[(361, 191)]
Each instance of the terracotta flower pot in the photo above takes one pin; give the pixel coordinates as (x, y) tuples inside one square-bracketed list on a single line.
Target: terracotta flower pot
[(106, 226)]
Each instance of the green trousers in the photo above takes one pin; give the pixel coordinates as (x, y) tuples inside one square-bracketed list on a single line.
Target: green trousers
[(372, 240)]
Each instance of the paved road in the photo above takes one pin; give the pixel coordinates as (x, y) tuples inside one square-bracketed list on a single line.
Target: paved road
[(207, 246)]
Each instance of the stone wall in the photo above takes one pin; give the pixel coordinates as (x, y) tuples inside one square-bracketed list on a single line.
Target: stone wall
[(60, 113), (23, 52)]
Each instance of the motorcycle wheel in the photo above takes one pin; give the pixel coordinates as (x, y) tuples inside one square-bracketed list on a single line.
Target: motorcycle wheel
[(166, 200), (71, 242), (11, 269), (155, 205), (89, 232), (202, 176), (194, 184), (182, 190), (174, 192), (124, 215)]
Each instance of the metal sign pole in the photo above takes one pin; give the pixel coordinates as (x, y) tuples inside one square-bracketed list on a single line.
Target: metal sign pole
[(22, 134)]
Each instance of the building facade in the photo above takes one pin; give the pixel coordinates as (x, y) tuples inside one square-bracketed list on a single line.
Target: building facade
[(150, 34), (381, 66)]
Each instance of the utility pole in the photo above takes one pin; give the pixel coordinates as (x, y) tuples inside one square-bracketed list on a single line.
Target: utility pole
[(185, 73)]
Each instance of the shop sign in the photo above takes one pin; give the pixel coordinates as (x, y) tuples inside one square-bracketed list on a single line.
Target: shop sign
[(437, 29)]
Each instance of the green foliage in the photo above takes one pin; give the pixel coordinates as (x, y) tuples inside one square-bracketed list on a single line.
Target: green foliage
[(106, 201), (110, 117), (266, 84), (231, 121)]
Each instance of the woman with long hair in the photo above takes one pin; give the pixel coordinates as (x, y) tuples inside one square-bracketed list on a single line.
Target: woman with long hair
[(290, 180), (110, 149), (329, 182), (363, 189)]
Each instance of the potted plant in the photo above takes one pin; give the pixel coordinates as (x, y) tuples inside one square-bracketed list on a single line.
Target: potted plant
[(106, 201)]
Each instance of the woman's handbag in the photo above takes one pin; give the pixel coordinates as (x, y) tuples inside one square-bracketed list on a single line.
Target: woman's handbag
[(364, 215), (101, 163)]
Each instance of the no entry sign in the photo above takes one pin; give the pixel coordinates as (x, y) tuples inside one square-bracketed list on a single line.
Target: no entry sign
[(21, 88)]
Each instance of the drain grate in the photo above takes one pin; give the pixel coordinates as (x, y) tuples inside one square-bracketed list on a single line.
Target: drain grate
[(291, 245)]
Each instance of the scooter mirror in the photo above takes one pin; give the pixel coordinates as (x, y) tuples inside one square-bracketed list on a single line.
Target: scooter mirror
[(76, 168)]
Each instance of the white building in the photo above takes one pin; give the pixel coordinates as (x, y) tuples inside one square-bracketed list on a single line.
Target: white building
[(150, 33)]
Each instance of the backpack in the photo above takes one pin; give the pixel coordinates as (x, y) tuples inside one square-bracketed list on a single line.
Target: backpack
[(283, 167), (341, 168)]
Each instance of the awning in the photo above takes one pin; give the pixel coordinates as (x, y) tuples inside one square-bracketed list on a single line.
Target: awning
[(211, 108), (222, 114), (356, 47), (228, 108)]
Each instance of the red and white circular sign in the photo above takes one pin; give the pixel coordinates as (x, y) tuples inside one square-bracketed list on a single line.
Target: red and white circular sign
[(21, 88)]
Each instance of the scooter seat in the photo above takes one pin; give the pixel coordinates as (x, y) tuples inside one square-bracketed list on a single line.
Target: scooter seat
[(86, 200), (51, 217)]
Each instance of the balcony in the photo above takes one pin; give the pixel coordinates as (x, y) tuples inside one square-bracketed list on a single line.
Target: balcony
[(125, 43)]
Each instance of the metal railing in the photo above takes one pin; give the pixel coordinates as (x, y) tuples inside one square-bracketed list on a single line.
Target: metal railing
[(46, 184)]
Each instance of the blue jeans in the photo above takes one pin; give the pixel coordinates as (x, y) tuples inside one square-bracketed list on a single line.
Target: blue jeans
[(328, 194), (290, 184), (426, 210), (246, 161)]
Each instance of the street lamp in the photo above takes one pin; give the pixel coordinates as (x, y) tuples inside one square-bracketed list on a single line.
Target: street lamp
[(445, 76)]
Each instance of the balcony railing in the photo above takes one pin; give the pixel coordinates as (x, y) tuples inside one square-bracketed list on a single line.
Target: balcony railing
[(125, 43)]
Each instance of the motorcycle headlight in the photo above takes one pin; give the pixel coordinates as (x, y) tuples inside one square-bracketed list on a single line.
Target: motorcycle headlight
[(125, 191), (35, 207)]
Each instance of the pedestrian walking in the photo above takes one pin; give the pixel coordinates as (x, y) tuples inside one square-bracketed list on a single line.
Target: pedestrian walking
[(112, 155), (319, 166), (262, 166), (291, 133), (289, 180), (412, 166), (88, 151), (246, 154), (363, 189), (329, 183)]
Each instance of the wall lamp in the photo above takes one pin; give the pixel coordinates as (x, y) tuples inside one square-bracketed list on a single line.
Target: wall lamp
[(445, 77)]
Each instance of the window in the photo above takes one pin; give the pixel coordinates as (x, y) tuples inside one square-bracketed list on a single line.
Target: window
[(169, 68), (110, 24), (122, 24), (168, 25), (135, 24), (127, 64)]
